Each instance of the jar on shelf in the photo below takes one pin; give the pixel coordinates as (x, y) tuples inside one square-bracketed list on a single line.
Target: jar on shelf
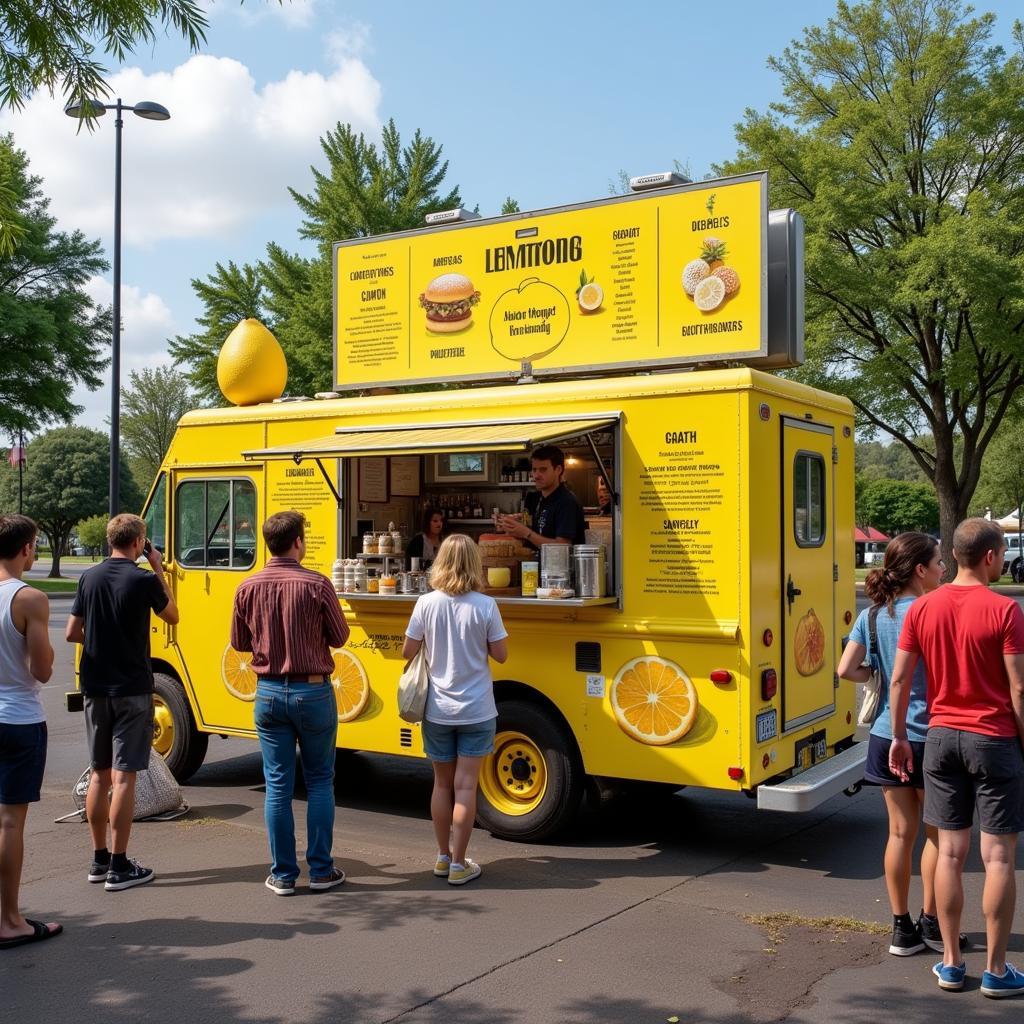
[(359, 575), (385, 544), (369, 543), (373, 581), (387, 585)]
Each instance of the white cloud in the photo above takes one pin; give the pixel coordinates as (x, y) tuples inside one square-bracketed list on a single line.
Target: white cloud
[(348, 42), (226, 156), (147, 325)]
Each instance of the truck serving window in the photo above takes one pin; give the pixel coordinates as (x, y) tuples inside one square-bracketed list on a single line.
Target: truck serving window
[(215, 524), (809, 499)]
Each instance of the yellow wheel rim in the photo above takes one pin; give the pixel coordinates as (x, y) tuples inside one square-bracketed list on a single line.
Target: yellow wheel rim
[(163, 727), (515, 777)]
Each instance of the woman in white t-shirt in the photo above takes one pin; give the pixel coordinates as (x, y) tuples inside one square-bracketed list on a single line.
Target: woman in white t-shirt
[(461, 627)]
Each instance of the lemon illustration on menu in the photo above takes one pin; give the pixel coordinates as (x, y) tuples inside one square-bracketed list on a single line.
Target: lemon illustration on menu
[(251, 366), (529, 322)]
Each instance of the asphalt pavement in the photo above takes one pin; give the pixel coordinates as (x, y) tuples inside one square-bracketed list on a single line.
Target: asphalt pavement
[(652, 909)]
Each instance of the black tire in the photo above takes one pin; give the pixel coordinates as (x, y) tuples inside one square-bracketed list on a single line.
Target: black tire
[(1017, 570), (188, 746), (563, 791)]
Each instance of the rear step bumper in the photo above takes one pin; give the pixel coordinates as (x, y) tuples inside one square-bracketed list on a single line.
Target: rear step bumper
[(817, 783)]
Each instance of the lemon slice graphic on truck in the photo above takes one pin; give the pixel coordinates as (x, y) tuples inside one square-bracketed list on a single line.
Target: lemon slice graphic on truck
[(654, 701), (236, 671), (351, 685)]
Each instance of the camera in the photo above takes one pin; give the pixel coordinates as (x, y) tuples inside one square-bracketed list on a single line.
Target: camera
[(74, 700)]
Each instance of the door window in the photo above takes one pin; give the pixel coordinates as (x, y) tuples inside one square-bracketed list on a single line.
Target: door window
[(156, 515), (809, 499), (215, 522)]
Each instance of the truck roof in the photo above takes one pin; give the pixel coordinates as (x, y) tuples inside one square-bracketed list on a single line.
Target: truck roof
[(550, 393)]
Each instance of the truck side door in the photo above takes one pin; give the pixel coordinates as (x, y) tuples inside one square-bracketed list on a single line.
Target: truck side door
[(808, 559)]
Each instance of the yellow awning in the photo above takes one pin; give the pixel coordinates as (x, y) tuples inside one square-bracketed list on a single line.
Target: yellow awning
[(419, 439)]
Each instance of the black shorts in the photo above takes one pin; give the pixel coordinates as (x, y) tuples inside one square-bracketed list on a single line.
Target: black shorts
[(964, 769), (22, 761), (876, 767), (120, 731)]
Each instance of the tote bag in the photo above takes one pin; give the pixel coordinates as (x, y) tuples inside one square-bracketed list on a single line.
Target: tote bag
[(873, 687), (412, 687)]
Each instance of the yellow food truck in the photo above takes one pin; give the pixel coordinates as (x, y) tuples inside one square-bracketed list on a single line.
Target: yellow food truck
[(701, 651)]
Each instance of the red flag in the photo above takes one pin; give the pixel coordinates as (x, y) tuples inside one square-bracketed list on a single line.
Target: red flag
[(16, 456)]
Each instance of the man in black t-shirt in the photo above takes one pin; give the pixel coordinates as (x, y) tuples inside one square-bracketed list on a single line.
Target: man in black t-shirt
[(110, 618), (556, 516)]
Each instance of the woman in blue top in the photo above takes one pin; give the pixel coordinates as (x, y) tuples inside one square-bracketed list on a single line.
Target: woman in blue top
[(912, 567)]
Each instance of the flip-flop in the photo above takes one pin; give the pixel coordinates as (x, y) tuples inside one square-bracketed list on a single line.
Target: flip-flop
[(39, 932)]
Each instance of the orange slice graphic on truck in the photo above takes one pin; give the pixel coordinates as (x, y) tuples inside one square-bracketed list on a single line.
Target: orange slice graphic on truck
[(654, 701), (236, 671), (351, 685), (809, 644)]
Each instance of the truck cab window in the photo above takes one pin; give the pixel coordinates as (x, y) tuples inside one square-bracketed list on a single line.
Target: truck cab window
[(215, 524)]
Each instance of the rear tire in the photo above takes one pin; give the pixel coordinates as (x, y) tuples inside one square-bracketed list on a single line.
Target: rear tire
[(531, 786), (175, 736), (1017, 570)]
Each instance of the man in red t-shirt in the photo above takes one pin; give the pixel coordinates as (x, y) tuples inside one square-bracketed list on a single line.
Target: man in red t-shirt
[(972, 642)]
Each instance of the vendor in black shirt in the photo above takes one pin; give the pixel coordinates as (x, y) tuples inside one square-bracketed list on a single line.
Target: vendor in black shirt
[(557, 517)]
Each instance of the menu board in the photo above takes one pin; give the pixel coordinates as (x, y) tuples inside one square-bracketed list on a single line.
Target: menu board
[(303, 489), (670, 277), (685, 521)]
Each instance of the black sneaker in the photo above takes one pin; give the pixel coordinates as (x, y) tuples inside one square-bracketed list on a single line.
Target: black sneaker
[(135, 875), (932, 937), (906, 939), (99, 871), (280, 886)]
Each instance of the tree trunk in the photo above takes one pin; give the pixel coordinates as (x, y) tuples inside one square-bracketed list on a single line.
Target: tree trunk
[(950, 515)]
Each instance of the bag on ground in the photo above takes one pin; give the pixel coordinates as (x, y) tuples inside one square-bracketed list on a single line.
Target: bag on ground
[(157, 793), (412, 687)]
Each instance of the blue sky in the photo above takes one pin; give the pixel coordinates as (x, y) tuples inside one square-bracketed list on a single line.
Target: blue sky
[(542, 101)]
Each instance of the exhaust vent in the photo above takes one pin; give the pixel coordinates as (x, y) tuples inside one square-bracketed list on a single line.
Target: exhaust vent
[(405, 737)]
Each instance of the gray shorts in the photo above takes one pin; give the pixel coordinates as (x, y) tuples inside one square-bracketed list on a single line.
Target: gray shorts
[(964, 769), (120, 731)]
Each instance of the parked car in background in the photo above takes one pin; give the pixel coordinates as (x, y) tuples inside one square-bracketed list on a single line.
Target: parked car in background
[(1013, 563)]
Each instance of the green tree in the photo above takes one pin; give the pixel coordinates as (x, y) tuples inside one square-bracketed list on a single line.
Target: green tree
[(887, 461), (151, 406), (229, 294), (509, 205), (92, 533), (66, 478), (1001, 487), (53, 46), (365, 190), (899, 140), (893, 506), (51, 334)]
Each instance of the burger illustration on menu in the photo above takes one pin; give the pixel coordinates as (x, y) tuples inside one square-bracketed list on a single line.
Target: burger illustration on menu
[(449, 301)]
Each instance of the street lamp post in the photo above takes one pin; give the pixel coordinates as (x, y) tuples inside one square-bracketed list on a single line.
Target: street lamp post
[(151, 112)]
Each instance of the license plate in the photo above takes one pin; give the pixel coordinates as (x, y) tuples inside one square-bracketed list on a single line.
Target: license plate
[(766, 725), (811, 750)]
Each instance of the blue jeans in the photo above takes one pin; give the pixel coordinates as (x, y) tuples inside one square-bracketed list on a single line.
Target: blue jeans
[(307, 713)]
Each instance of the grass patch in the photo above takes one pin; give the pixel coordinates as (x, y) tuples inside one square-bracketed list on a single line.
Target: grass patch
[(776, 924), (58, 586)]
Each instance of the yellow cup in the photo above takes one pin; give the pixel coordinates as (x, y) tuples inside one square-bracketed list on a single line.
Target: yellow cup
[(499, 576)]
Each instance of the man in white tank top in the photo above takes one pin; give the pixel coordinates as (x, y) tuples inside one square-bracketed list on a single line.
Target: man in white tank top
[(26, 662)]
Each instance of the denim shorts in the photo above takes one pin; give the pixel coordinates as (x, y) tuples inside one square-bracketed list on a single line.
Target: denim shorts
[(445, 743), (22, 760), (967, 769), (876, 767)]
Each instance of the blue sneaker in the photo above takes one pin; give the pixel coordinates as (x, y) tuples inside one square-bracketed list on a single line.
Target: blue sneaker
[(1002, 986), (951, 978)]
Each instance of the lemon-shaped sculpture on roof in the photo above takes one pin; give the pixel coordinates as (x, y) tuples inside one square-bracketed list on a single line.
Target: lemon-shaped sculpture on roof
[(251, 367)]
